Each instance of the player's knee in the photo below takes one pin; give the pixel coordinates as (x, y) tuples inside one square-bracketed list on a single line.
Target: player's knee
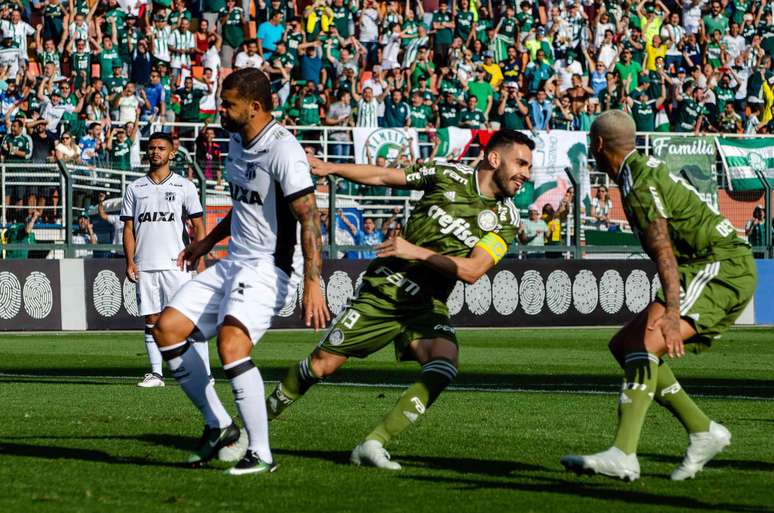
[(233, 344), (163, 332), (428, 350), (324, 363)]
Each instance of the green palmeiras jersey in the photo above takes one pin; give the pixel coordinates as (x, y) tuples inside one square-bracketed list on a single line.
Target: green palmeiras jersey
[(696, 228), (452, 218)]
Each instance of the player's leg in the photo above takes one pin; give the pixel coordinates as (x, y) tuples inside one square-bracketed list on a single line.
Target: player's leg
[(149, 305), (638, 349), (155, 378), (360, 330), (712, 311), (300, 377), (438, 358), (235, 343), (170, 281), (196, 305)]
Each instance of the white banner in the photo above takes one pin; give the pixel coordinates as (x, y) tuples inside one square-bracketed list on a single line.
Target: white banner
[(394, 144)]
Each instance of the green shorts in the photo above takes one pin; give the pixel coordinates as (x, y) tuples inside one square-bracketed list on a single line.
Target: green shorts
[(713, 295), (371, 322)]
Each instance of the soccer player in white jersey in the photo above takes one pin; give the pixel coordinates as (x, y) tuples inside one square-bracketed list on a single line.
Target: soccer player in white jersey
[(154, 211), (271, 188)]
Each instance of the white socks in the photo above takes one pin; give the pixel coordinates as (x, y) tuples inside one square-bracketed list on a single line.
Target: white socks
[(154, 355), (190, 372), (203, 348), (247, 384)]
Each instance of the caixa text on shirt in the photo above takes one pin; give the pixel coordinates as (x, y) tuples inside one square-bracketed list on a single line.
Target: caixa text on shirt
[(156, 217), (244, 195)]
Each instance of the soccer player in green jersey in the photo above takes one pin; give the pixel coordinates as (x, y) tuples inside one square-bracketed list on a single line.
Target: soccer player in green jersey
[(708, 276), (459, 230)]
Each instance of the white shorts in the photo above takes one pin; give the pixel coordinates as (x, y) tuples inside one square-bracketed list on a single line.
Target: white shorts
[(155, 289), (250, 291)]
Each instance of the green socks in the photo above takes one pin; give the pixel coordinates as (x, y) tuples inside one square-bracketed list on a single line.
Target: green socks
[(636, 395), (436, 376), (671, 395), (298, 380)]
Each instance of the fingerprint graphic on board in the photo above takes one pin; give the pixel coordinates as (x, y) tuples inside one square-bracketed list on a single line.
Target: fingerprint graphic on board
[(532, 292), (611, 291), (130, 297), (479, 295), (38, 296), (655, 287), (584, 292), (10, 295), (505, 293), (107, 295), (339, 291), (637, 291), (456, 298), (558, 292)]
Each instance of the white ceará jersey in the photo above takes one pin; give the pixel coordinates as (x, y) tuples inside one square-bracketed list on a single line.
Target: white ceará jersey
[(158, 211), (264, 176)]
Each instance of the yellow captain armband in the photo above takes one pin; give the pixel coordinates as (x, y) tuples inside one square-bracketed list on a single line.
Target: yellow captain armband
[(494, 245)]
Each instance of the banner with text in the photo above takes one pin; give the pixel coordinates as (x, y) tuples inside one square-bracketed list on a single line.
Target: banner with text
[(692, 159), (743, 159), (394, 144)]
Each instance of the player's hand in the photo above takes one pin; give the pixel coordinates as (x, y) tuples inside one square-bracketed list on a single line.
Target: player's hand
[(316, 314), (188, 258), (669, 325), (131, 272), (397, 247), (319, 167)]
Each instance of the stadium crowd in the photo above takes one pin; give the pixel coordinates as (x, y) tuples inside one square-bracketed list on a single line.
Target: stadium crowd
[(80, 79)]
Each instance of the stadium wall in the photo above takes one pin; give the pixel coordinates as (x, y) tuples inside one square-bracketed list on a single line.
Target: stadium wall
[(94, 294)]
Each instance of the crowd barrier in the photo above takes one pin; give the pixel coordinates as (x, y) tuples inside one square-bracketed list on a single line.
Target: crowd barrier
[(94, 294)]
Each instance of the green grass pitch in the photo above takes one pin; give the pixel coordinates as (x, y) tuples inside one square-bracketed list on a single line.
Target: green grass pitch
[(77, 435)]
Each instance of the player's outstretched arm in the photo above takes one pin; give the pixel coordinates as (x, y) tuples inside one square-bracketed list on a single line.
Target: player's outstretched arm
[(316, 313), (359, 173), (468, 269), (198, 248), (659, 247)]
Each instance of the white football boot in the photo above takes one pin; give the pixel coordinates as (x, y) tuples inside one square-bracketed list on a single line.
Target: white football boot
[(701, 449), (372, 454), (151, 380), (612, 462)]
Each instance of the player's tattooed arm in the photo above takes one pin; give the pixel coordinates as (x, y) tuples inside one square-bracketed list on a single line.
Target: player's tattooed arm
[(659, 246), (316, 313)]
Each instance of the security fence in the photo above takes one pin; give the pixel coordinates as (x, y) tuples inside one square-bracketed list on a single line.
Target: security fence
[(57, 194)]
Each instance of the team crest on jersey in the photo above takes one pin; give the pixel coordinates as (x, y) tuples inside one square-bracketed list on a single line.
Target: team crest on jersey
[(336, 337), (487, 220), (169, 196), (251, 170)]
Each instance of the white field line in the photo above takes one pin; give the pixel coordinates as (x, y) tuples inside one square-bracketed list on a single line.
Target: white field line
[(535, 389)]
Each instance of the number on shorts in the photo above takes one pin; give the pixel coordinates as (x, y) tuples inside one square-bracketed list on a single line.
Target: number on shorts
[(350, 319), (725, 228)]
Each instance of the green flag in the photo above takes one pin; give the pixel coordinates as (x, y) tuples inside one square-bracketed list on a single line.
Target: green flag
[(743, 159)]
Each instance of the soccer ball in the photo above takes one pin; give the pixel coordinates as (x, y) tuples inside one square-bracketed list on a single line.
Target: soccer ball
[(234, 452)]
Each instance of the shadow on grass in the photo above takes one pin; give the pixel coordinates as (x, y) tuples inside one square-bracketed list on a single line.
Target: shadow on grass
[(461, 465), (53, 452), (405, 375), (590, 490), (764, 466)]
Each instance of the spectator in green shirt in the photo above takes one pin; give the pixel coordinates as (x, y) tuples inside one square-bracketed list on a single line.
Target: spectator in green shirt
[(715, 20), (483, 91), (629, 71), (443, 25), (20, 233)]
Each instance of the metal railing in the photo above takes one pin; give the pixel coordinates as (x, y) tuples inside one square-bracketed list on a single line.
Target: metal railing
[(69, 190)]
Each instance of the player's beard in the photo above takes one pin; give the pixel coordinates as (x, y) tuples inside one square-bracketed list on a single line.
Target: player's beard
[(235, 125), (502, 182)]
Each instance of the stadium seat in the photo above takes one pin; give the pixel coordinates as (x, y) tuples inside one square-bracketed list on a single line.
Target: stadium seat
[(197, 71), (253, 30), (224, 72), (34, 68), (94, 70)]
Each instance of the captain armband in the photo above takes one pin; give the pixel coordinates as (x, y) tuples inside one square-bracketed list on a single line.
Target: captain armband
[(494, 245)]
